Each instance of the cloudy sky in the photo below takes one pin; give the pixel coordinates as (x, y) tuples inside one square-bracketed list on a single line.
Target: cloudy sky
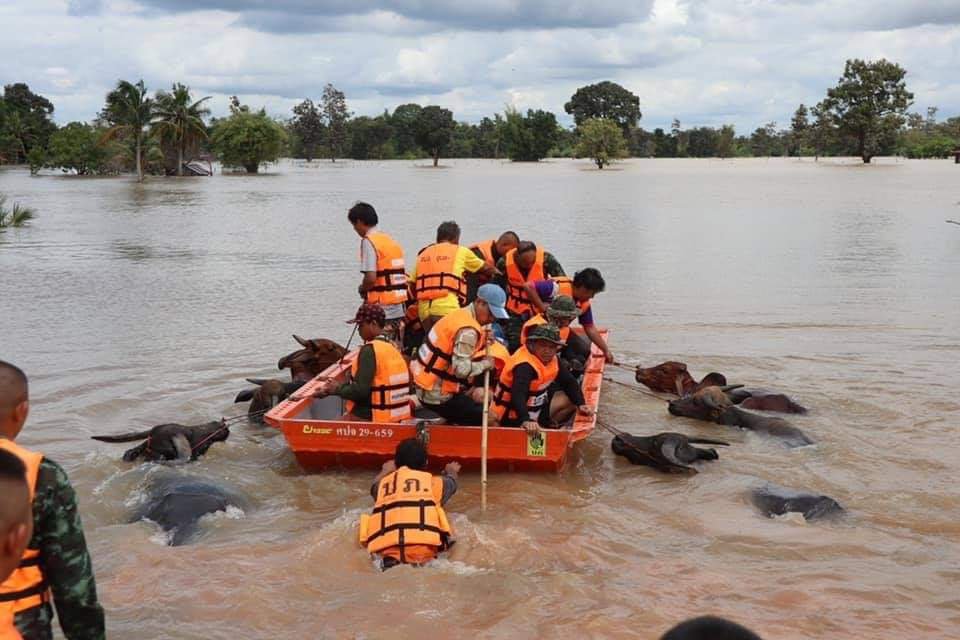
[(706, 62)]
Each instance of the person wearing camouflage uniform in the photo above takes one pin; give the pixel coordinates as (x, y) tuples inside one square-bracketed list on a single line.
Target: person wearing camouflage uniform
[(512, 327), (57, 535)]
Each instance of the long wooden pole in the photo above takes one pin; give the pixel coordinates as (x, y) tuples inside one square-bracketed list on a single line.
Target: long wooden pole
[(483, 434)]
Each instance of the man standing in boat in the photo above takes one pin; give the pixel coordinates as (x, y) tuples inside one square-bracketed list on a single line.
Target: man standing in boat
[(439, 276), (379, 389), (452, 353), (381, 262), (490, 251), (56, 560), (408, 524), (522, 397)]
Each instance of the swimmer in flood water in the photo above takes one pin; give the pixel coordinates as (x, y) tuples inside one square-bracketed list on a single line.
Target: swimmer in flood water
[(408, 524)]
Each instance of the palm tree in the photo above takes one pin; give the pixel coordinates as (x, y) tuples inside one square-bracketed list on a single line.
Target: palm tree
[(129, 112), (179, 120)]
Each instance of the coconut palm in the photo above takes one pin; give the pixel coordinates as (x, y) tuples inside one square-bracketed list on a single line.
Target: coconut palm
[(179, 120), (129, 112), (18, 216)]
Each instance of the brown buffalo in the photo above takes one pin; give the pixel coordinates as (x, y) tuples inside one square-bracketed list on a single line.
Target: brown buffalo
[(268, 394), (713, 404), (673, 377), (315, 356)]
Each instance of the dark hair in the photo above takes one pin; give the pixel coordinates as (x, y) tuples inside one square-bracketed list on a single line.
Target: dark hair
[(709, 628), (363, 212), (589, 279), (526, 245), (12, 467), (13, 385), (448, 230), (411, 453), (512, 234)]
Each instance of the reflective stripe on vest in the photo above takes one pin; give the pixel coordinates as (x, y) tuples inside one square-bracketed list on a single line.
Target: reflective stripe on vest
[(435, 356), (390, 387), (546, 374), (26, 587), (391, 284), (537, 320), (565, 288), (407, 511), (436, 275), (517, 299)]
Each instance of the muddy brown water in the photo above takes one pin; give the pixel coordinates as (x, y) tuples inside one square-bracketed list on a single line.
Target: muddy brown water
[(131, 305)]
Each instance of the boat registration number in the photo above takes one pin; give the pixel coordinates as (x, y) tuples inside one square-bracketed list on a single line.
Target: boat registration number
[(349, 432)]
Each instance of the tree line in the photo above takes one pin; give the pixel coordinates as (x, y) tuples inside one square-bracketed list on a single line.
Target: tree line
[(865, 114)]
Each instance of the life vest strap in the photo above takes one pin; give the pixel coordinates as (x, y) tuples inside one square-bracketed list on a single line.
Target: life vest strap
[(404, 503), (437, 354), (36, 590), (458, 287), (30, 562), (403, 526)]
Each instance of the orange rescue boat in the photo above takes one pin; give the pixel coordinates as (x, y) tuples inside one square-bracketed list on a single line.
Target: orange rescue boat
[(320, 440)]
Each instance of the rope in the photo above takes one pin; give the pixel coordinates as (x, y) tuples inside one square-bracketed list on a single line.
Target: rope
[(618, 433), (626, 367), (639, 390), (223, 427)]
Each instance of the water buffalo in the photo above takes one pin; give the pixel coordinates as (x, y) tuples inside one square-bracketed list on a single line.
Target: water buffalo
[(773, 500), (315, 356), (713, 404), (267, 395), (176, 504), (171, 441), (667, 452)]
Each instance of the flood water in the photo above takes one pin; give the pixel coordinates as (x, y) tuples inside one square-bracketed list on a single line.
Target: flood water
[(131, 305)]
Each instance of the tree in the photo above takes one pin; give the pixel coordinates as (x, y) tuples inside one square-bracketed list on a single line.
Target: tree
[(76, 146), (529, 138), (433, 130), (680, 138), (307, 125), (25, 121), (369, 137), (766, 141), (404, 123), (179, 120), (607, 100), (129, 112), (823, 130), (702, 142), (247, 139), (602, 140), (664, 146), (725, 141), (333, 107), (488, 137), (799, 126), (869, 104)]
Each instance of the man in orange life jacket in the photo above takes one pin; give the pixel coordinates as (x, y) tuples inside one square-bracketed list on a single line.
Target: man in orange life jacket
[(380, 385), (56, 560), (523, 394), (525, 263), (585, 284), (16, 526), (440, 275), (382, 264), (408, 524), (490, 251)]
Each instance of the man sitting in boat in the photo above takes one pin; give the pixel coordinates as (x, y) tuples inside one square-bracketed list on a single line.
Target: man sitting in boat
[(445, 360), (439, 276), (522, 397), (381, 262), (582, 288), (408, 524), (525, 263), (490, 251), (561, 313), (379, 389)]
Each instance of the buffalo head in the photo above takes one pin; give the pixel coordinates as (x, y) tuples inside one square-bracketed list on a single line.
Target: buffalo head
[(673, 377), (707, 403), (315, 356)]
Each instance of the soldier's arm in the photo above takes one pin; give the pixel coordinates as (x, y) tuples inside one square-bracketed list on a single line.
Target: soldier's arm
[(551, 266), (64, 558)]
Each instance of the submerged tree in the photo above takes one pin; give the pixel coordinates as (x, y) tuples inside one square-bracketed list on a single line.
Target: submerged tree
[(799, 127), (179, 120), (247, 139), (869, 104), (77, 146), (606, 100), (129, 112), (307, 125), (25, 122), (434, 130), (602, 140), (529, 138), (333, 105)]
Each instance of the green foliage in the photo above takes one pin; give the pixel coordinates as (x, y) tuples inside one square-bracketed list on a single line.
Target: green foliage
[(369, 138), (766, 141), (308, 129), (129, 113), (529, 138), (77, 147), (404, 123), (927, 138), (16, 216), (869, 104), (433, 130), (799, 130), (25, 122), (247, 139), (602, 140), (726, 141), (179, 122), (36, 159), (606, 100), (333, 108)]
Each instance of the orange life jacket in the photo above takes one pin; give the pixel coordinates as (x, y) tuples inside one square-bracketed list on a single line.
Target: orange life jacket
[(391, 284), (537, 320), (537, 398), (408, 511), (486, 248), (435, 357), (565, 288), (26, 587), (390, 389), (436, 273), (7, 629), (517, 299)]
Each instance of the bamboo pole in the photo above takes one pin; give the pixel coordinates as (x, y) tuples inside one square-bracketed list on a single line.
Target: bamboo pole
[(484, 429)]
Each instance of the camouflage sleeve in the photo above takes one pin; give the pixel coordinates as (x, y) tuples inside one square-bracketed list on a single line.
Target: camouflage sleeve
[(501, 280), (552, 266), (64, 560)]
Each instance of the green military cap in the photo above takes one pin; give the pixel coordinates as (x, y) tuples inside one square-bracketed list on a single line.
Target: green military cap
[(548, 332), (563, 307)]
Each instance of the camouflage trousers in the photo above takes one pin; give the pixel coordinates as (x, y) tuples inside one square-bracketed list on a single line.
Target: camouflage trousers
[(35, 623)]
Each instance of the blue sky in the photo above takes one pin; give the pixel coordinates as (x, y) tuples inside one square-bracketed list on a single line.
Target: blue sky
[(706, 62)]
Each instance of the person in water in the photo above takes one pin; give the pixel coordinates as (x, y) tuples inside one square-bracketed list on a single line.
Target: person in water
[(408, 524), (379, 389), (56, 560), (16, 526)]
